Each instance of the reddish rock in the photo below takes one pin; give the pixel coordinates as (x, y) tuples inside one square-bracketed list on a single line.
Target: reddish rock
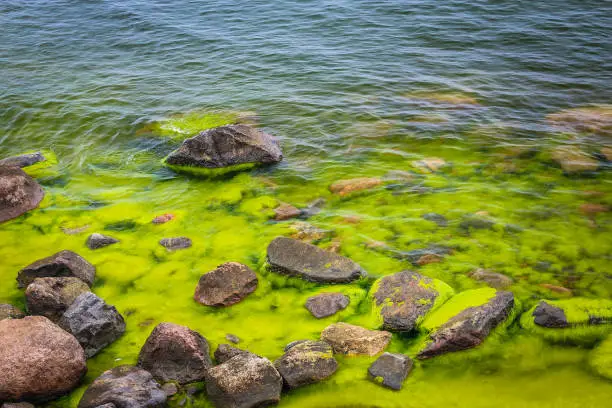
[(227, 285), (355, 340), (593, 209), (286, 211), (429, 258), (346, 187), (62, 264), (19, 193), (162, 219), (326, 304)]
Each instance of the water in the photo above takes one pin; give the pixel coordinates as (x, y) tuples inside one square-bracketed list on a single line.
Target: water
[(359, 88)]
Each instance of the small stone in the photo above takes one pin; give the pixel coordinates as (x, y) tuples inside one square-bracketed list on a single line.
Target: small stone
[(431, 164), (326, 304), (355, 340), (436, 252), (23, 160), (439, 219), (172, 244), (306, 363), (428, 259), (225, 352), (493, 279), (227, 285), (547, 315), (97, 241), (392, 369), (74, 231), (591, 209), (232, 338), (286, 211), (573, 160), (556, 289), (51, 297), (162, 219), (346, 187), (19, 193), (170, 389), (62, 264), (476, 222), (8, 311)]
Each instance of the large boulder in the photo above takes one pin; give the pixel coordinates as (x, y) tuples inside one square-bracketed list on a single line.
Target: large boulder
[(547, 315), (306, 362), (228, 284), (38, 360), (8, 311), (391, 370), (225, 146), (51, 297), (244, 381), (19, 193), (23, 160), (470, 327), (175, 353), (326, 304), (64, 263), (355, 340), (124, 387), (94, 323), (292, 257)]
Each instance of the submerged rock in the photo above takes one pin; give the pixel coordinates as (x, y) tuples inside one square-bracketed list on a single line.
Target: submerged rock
[(124, 387), (593, 119), (97, 241), (355, 340), (175, 353), (419, 257), (172, 244), (573, 160), (295, 258), (286, 211), (162, 219), (51, 297), (309, 233), (439, 219), (8, 311), (62, 264), (19, 193), (23, 160), (391, 370), (493, 279), (430, 164), (346, 187), (232, 338), (306, 363), (244, 381), (225, 352), (94, 323), (547, 315), (326, 304), (227, 285), (38, 360)]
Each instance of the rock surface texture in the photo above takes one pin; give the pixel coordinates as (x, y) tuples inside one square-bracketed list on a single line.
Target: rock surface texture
[(306, 363), (227, 285), (326, 304), (172, 244), (51, 297), (23, 160), (547, 315), (19, 193), (391, 370), (62, 264), (225, 352), (97, 241), (355, 340)]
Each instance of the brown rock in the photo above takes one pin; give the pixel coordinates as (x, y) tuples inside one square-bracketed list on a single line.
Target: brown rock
[(557, 289), (593, 209), (286, 211), (429, 258), (593, 119), (224, 352), (573, 160), (10, 312), (19, 193), (227, 285), (355, 340), (493, 279), (162, 219), (326, 304), (62, 264), (306, 363), (346, 187), (51, 297)]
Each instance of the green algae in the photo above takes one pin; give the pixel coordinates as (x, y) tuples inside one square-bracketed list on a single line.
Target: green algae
[(220, 172), (600, 359), (456, 304), (181, 126)]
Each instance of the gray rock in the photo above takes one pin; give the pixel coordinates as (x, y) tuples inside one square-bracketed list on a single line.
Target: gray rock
[(294, 343), (391, 370), (94, 323), (292, 257), (415, 256), (18, 405), (125, 387), (326, 304), (225, 352), (19, 193), (51, 297), (493, 279), (355, 340), (170, 389), (10, 312), (227, 285), (172, 244), (97, 241), (62, 264), (306, 363), (547, 315), (439, 219), (23, 160), (469, 328), (474, 222), (232, 338), (227, 146)]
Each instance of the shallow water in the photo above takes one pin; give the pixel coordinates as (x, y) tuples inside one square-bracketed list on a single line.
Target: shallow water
[(352, 89)]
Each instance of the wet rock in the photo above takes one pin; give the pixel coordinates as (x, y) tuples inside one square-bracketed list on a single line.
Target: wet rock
[(470, 327), (8, 311), (306, 363), (309, 233), (170, 389), (244, 381), (292, 257), (227, 285), (419, 257), (125, 387), (286, 211), (175, 353), (313, 208), (403, 299), (428, 259), (326, 304), (439, 219), (232, 338), (62, 264), (162, 219), (19, 193), (391, 370), (225, 352), (593, 119), (493, 279), (38, 360), (547, 315), (97, 241), (430, 164), (556, 289), (476, 222), (51, 297), (355, 340), (591, 209), (94, 323), (573, 160), (172, 244), (227, 146), (23, 160), (346, 187)]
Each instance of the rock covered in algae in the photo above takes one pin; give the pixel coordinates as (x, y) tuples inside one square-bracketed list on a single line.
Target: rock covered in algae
[(391, 369), (61, 264), (573, 160), (326, 304), (124, 387), (592, 119), (228, 284), (19, 193), (355, 340), (38, 360), (23, 160), (292, 257), (51, 297), (175, 353), (286, 211), (8, 311), (346, 187), (172, 244), (17, 405), (97, 241), (225, 352), (306, 363), (547, 315)]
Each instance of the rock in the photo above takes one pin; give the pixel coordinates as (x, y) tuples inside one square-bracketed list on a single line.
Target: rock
[(313, 208), (294, 343), (62, 264), (232, 338), (439, 219), (23, 160), (309, 233), (175, 353), (306, 363), (547, 315), (430, 164), (591, 209), (476, 222), (38, 360), (19, 193), (225, 352), (391, 370), (346, 187), (17, 405), (326, 304), (493, 279), (51, 297), (227, 146), (355, 340), (419, 257), (170, 389), (292, 257), (403, 299), (10, 312), (97, 241), (573, 160), (244, 381), (172, 244), (470, 327), (593, 119), (607, 153), (125, 387), (286, 211), (227, 285), (94, 323), (556, 289), (162, 219), (428, 259)]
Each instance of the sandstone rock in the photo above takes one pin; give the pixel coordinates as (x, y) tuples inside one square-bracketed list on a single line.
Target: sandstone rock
[(573, 160), (296, 258), (225, 352), (175, 353), (10, 312), (97, 241), (62, 264), (306, 363), (286, 211), (428, 259), (19, 193), (547, 315), (172, 244), (227, 285), (391, 370), (355, 340), (493, 279), (51, 297), (38, 360), (346, 187), (326, 304), (23, 160)]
